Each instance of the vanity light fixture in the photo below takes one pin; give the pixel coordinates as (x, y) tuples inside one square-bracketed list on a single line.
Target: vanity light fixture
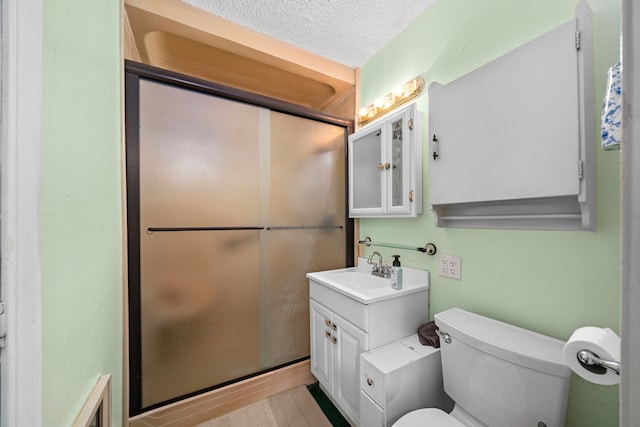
[(400, 95)]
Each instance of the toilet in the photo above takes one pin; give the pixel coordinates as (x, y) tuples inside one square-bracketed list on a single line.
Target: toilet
[(499, 375)]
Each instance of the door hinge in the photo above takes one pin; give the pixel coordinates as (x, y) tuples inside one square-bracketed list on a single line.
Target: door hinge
[(3, 330), (410, 124), (580, 169), (577, 39)]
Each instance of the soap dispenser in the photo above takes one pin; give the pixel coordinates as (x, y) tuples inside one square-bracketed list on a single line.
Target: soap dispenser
[(396, 273)]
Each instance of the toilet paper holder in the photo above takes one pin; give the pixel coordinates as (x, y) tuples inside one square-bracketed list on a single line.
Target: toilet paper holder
[(593, 363)]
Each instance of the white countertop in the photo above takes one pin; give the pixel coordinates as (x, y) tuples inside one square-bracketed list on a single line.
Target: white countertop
[(357, 286)]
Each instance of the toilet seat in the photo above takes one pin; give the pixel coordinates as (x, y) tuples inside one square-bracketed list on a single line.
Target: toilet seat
[(427, 417)]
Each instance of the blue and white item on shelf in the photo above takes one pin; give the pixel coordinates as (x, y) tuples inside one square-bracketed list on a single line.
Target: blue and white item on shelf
[(612, 110)]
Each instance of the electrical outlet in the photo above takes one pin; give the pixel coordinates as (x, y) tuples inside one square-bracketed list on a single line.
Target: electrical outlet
[(449, 266), (453, 267), (443, 262)]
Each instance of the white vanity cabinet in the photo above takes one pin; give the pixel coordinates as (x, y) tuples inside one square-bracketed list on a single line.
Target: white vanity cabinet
[(336, 346), (399, 378), (385, 166), (343, 325)]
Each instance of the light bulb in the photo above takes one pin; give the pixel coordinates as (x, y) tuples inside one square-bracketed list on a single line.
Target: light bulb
[(388, 100)]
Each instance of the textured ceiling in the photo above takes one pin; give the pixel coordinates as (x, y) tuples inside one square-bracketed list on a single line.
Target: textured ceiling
[(346, 31)]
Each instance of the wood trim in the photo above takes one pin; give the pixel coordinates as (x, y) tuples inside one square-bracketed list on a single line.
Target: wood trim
[(98, 405), (357, 98), (129, 48), (358, 249), (630, 222), (21, 358), (189, 412)]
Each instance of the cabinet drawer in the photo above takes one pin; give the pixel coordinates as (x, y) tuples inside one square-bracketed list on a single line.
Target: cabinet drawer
[(349, 309), (371, 415), (372, 382)]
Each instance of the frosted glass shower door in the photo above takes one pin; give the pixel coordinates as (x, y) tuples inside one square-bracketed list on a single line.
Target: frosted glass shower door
[(306, 233), (199, 289), (236, 204)]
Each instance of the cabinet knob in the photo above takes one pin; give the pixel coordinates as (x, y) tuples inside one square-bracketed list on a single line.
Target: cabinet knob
[(334, 327), (369, 381), (327, 334), (380, 166), (387, 165), (327, 322), (333, 339)]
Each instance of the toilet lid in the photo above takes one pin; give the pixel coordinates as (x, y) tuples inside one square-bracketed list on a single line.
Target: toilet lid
[(427, 417)]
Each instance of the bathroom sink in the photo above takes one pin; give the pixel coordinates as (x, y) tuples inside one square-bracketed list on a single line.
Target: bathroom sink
[(359, 284), (361, 281)]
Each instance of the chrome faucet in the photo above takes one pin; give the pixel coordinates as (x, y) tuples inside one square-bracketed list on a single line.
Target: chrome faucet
[(379, 269)]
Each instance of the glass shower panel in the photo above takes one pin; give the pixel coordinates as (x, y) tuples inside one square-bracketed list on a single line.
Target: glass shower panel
[(200, 311), (307, 224), (200, 290), (199, 159)]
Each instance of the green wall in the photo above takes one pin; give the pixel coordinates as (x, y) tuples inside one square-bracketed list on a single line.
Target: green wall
[(549, 281), (81, 206)]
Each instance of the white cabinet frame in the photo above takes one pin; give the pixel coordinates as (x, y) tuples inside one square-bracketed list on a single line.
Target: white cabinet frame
[(512, 142), (380, 167)]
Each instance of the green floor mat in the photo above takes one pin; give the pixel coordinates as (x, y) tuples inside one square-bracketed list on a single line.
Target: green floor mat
[(335, 417)]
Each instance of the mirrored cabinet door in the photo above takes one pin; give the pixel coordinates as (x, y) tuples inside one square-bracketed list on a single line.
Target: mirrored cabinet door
[(385, 166), (366, 173), (399, 185)]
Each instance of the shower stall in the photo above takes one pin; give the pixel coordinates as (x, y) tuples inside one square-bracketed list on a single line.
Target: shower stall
[(232, 199)]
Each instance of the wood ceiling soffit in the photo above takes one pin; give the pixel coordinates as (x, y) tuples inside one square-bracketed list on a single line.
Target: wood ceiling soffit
[(147, 22), (186, 56)]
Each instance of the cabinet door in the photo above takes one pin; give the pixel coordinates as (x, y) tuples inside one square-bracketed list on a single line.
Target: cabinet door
[(510, 130), (351, 342), (399, 157), (322, 347), (367, 191)]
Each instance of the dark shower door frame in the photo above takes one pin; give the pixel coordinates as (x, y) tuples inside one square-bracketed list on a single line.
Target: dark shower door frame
[(134, 71)]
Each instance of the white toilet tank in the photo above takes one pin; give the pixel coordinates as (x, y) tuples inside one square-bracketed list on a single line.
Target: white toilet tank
[(503, 375)]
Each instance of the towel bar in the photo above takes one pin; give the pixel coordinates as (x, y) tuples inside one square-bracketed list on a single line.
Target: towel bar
[(429, 248)]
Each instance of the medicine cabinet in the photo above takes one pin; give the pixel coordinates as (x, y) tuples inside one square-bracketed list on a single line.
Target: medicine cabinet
[(511, 143), (385, 166)]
